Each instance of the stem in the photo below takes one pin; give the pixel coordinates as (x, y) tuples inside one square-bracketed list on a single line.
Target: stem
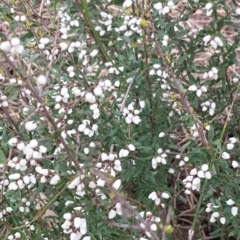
[(89, 20), (198, 206)]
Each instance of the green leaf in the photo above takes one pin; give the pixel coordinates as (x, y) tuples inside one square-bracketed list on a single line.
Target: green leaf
[(2, 157), (211, 134), (4, 10), (185, 146), (3, 37), (186, 117), (33, 58)]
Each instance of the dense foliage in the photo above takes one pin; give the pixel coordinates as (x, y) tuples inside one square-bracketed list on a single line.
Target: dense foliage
[(119, 121)]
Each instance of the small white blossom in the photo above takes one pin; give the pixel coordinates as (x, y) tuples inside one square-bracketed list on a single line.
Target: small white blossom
[(230, 202), (127, 3), (235, 164), (30, 126), (161, 134), (117, 184), (131, 147), (237, 11), (225, 155), (234, 211), (12, 141), (222, 220), (165, 195), (54, 180), (89, 97)]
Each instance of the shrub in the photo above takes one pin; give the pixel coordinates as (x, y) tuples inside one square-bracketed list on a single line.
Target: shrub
[(119, 121)]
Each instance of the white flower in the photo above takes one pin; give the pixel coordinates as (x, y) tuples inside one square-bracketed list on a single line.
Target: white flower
[(81, 127), (215, 215), (117, 165), (207, 175), (33, 143), (131, 147), (75, 236), (207, 38), (225, 155), (158, 6), (67, 216), (223, 220), (235, 80), (190, 233), (165, 195), (112, 214), (19, 49), (196, 184), (218, 41), (193, 172), (230, 146), (63, 46), (181, 163), (12, 141), (54, 180), (136, 120), (94, 53), (237, 11), (98, 91), (200, 174), (235, 164), (14, 176), (153, 227), (127, 3), (204, 167), (42, 149), (233, 140), (208, 209), (104, 156), (199, 91), (89, 97), (77, 222), (17, 235), (142, 104), (15, 42), (230, 202), (119, 208), (123, 153), (154, 163), (30, 126), (209, 9), (5, 46), (117, 184), (161, 134), (153, 196), (234, 211), (192, 88)]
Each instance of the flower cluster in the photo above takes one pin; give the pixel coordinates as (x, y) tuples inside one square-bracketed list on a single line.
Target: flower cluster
[(13, 46), (198, 90), (156, 197), (214, 42), (150, 223), (210, 106), (161, 158), (75, 226), (209, 9), (164, 9), (131, 114), (193, 181), (87, 129), (213, 73)]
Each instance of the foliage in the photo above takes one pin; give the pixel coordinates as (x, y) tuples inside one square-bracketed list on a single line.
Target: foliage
[(119, 121)]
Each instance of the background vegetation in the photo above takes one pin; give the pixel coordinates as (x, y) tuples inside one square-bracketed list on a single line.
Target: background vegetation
[(119, 119)]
